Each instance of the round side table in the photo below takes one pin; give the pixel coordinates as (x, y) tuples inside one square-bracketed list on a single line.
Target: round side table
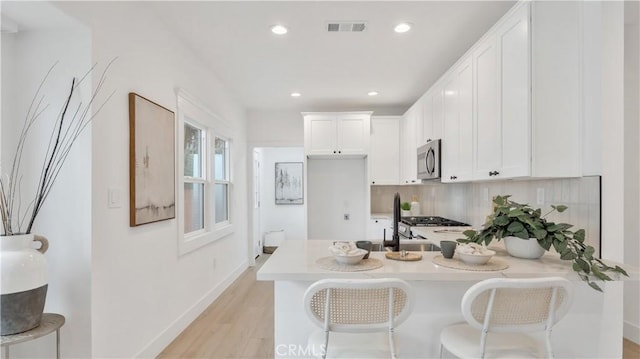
[(50, 322)]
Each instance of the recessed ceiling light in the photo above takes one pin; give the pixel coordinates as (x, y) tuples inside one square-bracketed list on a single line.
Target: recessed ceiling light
[(296, 94), (279, 29), (373, 93), (402, 27)]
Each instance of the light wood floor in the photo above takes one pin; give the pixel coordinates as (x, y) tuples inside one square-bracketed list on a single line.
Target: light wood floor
[(239, 324)]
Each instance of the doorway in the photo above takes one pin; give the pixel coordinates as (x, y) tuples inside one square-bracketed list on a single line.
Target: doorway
[(267, 213)]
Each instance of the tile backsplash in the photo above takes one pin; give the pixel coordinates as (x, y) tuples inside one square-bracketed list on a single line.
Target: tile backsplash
[(471, 202)]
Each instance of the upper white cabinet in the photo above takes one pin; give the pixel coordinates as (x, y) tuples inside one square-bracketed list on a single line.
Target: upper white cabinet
[(432, 104), (457, 139), (384, 157), (409, 145), (502, 91), (333, 134), (524, 114)]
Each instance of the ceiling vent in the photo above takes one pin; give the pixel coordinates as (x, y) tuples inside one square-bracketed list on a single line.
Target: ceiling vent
[(346, 26)]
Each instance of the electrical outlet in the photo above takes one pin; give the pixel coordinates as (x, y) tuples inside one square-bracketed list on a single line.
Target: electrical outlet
[(346, 216), (540, 196)]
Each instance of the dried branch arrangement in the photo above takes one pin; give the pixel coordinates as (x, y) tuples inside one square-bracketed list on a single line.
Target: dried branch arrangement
[(69, 125)]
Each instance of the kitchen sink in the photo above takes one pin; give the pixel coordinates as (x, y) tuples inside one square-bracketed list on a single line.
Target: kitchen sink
[(404, 246)]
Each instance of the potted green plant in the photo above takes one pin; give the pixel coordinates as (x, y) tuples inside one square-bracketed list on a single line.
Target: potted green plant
[(512, 219), (406, 209)]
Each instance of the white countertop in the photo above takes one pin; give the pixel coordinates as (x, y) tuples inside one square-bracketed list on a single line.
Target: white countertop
[(296, 260)]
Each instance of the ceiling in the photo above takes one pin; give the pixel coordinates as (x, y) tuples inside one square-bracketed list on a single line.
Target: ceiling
[(332, 71)]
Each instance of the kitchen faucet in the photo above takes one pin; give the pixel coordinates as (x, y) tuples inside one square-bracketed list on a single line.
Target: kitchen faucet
[(395, 239)]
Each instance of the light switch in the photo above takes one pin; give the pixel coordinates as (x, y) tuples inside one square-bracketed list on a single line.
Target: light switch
[(114, 198)]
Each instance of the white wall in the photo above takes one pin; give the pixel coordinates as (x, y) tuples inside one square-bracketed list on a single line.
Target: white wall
[(335, 188), (276, 217), (632, 167), (143, 293), (275, 128), (65, 218)]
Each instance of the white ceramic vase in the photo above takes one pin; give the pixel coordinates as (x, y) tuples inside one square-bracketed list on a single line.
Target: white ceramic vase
[(523, 248), (24, 282)]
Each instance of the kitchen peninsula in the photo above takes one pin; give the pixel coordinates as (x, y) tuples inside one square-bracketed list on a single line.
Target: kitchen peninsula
[(592, 329)]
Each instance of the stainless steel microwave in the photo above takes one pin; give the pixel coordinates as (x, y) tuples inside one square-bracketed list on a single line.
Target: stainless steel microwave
[(429, 160)]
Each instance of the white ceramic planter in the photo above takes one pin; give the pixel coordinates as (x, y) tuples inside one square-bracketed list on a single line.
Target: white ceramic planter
[(24, 282), (523, 248)]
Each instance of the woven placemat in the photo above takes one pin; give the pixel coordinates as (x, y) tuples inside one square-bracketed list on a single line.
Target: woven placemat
[(329, 263), (493, 264)]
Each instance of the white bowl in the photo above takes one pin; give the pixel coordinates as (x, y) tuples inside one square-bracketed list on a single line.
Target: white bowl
[(476, 259), (351, 258)]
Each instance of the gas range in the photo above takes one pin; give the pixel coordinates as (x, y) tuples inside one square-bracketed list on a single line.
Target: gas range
[(431, 221), (405, 224)]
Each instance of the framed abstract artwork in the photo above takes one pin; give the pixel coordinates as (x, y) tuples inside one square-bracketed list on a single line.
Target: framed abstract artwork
[(289, 185), (152, 196)]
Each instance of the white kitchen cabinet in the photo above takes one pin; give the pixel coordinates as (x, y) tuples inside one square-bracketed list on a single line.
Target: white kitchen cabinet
[(408, 146), (457, 139), (384, 156), (378, 228), (433, 106), (502, 127), (337, 134), (530, 96), (514, 49)]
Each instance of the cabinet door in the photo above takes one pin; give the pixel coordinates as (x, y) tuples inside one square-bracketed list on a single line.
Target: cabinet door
[(409, 149), (321, 135), (488, 129), (514, 47), (379, 229), (384, 166), (465, 107), (438, 114), (457, 141), (427, 119), (353, 134)]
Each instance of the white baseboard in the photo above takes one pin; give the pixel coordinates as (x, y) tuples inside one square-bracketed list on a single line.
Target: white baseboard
[(631, 332), (160, 342)]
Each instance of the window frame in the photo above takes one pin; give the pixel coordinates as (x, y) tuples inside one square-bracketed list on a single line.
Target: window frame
[(192, 112)]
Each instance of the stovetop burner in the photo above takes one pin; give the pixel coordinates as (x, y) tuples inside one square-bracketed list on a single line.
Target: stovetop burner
[(431, 221)]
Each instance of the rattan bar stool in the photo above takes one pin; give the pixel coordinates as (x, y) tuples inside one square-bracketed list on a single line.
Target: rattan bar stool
[(347, 308), (500, 315)]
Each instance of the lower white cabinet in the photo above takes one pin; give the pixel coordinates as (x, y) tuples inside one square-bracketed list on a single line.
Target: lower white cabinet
[(379, 227), (384, 156)]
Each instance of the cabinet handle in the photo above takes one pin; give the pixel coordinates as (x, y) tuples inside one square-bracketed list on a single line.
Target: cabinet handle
[(413, 181), (494, 173), (334, 151), (339, 151), (374, 182), (453, 177), (406, 181), (429, 140), (376, 221)]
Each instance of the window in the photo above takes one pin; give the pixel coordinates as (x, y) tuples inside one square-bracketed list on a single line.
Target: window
[(194, 178), (221, 163), (204, 212)]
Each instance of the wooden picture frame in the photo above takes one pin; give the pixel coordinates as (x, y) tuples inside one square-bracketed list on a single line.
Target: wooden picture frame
[(289, 183), (152, 177)]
